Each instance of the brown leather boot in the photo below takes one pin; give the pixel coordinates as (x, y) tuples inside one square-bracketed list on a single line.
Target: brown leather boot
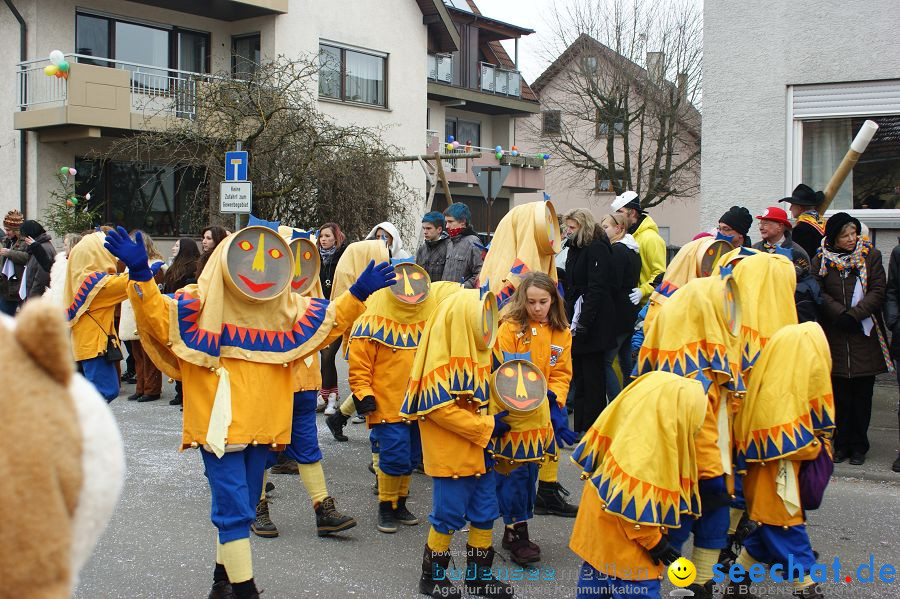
[(480, 579), (263, 526), (434, 581), (516, 541)]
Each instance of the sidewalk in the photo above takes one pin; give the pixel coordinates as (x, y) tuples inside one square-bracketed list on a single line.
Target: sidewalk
[(882, 436)]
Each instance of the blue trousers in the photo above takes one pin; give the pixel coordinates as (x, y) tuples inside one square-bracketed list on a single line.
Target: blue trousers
[(516, 492), (458, 500), (103, 376), (711, 528), (788, 548), (395, 447), (235, 482), (304, 445), (596, 585)]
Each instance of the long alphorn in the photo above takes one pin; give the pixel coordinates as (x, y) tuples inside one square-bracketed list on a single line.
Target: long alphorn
[(857, 147)]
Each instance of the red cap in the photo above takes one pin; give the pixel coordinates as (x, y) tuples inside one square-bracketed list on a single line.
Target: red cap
[(776, 215)]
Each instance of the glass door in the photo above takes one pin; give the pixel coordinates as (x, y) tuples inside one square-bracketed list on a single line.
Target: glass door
[(245, 55)]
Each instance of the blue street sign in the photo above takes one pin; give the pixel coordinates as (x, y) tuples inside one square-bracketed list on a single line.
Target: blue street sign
[(236, 166)]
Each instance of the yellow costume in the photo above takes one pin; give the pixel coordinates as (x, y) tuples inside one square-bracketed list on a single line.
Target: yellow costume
[(526, 240), (639, 462)]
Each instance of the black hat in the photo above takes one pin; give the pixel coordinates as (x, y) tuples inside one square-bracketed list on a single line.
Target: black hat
[(738, 218), (803, 195), (835, 225)]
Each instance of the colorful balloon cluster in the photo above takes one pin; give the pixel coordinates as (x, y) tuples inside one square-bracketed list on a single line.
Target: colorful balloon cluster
[(68, 171), (58, 66)]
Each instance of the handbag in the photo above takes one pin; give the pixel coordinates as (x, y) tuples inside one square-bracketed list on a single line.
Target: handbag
[(813, 479), (113, 351)]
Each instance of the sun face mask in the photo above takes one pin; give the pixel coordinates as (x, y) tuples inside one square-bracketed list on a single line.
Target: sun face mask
[(257, 263), (489, 322), (306, 264), (710, 257), (413, 283), (519, 385)]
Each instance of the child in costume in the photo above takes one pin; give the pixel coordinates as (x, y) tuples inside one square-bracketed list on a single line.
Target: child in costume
[(448, 387), (696, 335), (787, 419), (303, 450), (92, 292), (639, 462), (382, 348), (534, 328), (234, 339)]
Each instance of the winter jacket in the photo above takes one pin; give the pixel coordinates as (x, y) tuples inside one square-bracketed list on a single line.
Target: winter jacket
[(624, 276), (853, 354), (327, 268), (892, 302), (464, 259), (432, 255), (587, 276), (396, 246), (41, 254), (807, 236), (9, 287), (652, 251)]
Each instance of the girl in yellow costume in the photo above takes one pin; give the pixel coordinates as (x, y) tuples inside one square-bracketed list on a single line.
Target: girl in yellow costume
[(383, 345), (640, 466), (92, 292), (448, 388), (234, 339), (696, 335), (303, 452), (787, 419), (535, 326)]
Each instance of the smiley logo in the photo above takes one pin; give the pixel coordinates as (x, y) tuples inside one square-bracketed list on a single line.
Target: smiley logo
[(682, 572)]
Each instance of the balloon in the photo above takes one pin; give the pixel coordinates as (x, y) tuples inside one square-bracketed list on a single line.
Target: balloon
[(57, 57), (50, 70), (514, 148), (74, 200), (546, 156), (87, 196), (449, 147), (69, 203), (499, 155), (455, 145), (64, 170), (58, 74), (450, 139), (72, 171), (498, 149), (65, 75), (63, 66), (514, 153)]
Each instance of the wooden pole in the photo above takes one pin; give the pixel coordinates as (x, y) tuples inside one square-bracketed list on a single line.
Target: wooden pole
[(857, 147), (445, 156), (443, 177)]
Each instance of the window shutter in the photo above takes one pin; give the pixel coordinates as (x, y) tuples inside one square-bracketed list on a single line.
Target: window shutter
[(862, 98)]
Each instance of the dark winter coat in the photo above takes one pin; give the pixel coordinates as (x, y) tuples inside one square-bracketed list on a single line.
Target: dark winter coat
[(464, 259), (327, 268), (587, 274), (808, 237), (432, 256), (853, 354), (41, 254), (624, 276), (9, 288), (892, 302)]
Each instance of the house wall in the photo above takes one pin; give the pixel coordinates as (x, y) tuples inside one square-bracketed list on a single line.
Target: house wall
[(571, 188), (51, 25), (752, 52)]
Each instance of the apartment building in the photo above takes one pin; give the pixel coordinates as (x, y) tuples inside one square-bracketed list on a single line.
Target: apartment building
[(133, 62)]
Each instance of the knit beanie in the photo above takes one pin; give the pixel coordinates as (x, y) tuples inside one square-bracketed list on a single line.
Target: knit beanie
[(13, 220), (738, 218)]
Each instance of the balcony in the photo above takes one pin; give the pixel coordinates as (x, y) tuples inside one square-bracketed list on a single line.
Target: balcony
[(103, 94), (526, 175), (493, 90), (497, 80), (224, 10)]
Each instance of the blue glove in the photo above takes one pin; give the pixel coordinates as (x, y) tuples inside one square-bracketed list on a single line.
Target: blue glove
[(154, 268), (132, 253), (560, 421), (372, 279), (500, 427)]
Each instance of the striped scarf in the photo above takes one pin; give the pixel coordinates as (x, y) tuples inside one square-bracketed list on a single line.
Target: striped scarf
[(855, 260)]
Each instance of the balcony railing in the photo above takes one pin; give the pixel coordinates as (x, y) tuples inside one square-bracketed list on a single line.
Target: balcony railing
[(440, 67), (502, 81), (154, 90)]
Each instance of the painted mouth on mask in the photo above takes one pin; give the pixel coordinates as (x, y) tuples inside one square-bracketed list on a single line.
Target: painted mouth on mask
[(300, 283), (411, 298), (255, 287)]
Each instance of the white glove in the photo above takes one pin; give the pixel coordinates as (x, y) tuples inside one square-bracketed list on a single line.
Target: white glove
[(635, 296)]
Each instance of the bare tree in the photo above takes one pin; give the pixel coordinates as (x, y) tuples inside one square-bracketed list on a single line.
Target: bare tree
[(621, 118), (306, 168)]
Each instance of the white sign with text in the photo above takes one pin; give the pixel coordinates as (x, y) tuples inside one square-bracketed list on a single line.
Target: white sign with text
[(235, 197)]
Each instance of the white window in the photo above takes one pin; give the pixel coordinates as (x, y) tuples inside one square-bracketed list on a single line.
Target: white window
[(823, 121), (352, 75)]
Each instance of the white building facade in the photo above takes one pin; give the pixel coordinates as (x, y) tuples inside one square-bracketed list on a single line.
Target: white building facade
[(786, 86)]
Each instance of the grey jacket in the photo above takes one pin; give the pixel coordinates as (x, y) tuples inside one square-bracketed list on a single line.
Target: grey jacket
[(432, 256), (37, 272), (19, 257), (464, 259)]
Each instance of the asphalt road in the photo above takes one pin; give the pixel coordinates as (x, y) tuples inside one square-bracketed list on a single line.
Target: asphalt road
[(160, 542)]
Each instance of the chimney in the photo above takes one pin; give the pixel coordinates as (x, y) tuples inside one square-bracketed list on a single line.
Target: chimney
[(681, 84), (655, 66)]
